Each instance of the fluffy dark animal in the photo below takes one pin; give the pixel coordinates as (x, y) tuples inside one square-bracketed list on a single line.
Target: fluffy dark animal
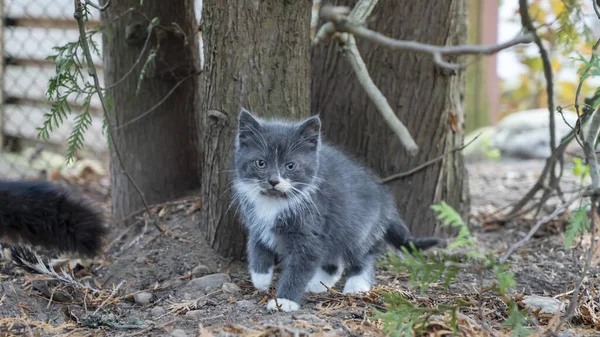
[(50, 216)]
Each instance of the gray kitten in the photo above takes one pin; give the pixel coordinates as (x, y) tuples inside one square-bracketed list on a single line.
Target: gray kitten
[(317, 210)]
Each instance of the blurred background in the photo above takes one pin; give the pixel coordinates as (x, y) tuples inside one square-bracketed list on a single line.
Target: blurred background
[(497, 86)]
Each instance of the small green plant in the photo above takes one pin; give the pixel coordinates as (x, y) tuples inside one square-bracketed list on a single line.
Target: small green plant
[(404, 318)]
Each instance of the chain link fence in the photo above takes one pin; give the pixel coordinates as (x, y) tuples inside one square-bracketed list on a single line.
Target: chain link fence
[(32, 28)]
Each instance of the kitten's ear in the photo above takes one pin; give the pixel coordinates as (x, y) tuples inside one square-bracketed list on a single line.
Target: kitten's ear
[(310, 130), (248, 126)]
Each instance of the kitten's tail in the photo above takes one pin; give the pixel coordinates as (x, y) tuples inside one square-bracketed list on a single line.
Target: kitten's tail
[(398, 236), (45, 214)]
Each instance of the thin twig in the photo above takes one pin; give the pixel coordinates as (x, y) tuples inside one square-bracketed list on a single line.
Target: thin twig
[(559, 209), (112, 294), (98, 7), (589, 143), (357, 63), (584, 75), (78, 15), (360, 12), (425, 164), (586, 268), (157, 105), (134, 65), (341, 23), (596, 9), (528, 25)]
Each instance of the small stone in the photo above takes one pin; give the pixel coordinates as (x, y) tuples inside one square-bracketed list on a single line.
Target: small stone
[(178, 333), (549, 306), (194, 314), (313, 319), (142, 298), (200, 270), (246, 305), (157, 311), (231, 288), (210, 282)]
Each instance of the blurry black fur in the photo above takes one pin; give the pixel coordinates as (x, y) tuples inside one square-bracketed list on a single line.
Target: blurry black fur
[(48, 215)]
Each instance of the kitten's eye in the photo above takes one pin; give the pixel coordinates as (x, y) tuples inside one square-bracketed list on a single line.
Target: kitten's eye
[(290, 166), (260, 163)]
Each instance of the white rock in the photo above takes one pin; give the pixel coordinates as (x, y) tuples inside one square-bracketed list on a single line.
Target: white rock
[(548, 305), (142, 298), (178, 333)]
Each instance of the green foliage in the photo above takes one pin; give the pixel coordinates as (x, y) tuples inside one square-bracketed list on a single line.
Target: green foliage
[(68, 81), (69, 84), (489, 150), (516, 321), (403, 317), (581, 170), (578, 224)]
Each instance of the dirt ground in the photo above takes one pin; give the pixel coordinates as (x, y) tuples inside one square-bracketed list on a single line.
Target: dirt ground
[(155, 284)]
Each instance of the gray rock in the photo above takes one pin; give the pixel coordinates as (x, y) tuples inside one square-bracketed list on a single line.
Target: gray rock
[(210, 282), (200, 270), (178, 333), (548, 305), (231, 288), (309, 318), (142, 298), (194, 314), (157, 311), (246, 305)]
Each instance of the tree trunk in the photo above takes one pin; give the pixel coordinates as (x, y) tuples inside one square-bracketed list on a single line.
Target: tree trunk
[(426, 98), (257, 56), (159, 151)]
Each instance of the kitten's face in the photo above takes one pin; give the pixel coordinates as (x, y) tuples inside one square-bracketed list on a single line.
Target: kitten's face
[(276, 159)]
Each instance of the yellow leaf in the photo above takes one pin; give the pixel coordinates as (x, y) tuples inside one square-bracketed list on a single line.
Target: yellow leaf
[(556, 66)]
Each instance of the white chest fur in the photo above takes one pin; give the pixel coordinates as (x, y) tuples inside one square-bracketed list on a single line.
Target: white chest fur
[(263, 214)]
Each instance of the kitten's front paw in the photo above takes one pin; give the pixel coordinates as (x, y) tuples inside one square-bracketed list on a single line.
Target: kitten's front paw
[(282, 304), (357, 284), (262, 281)]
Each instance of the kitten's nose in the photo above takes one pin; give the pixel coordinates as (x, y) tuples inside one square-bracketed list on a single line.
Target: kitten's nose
[(274, 181)]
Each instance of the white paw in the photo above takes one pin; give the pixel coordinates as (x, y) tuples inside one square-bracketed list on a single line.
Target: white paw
[(283, 305), (260, 281), (357, 284), (315, 286)]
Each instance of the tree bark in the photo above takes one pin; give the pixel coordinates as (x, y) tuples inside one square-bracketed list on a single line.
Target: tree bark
[(426, 98), (257, 56), (159, 151)]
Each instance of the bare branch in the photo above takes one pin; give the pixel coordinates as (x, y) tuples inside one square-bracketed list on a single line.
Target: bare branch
[(98, 7), (339, 22), (147, 112), (425, 164), (357, 63), (584, 75), (586, 268), (559, 209), (528, 25), (589, 143), (596, 9), (360, 12)]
